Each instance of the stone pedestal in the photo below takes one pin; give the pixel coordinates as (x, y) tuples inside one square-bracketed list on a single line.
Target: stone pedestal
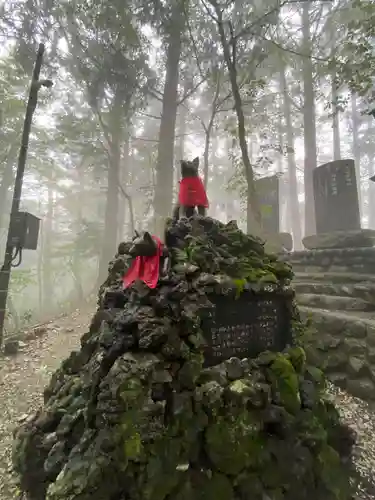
[(361, 238), (136, 414)]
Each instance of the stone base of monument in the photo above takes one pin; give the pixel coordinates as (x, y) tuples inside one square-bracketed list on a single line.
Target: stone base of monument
[(360, 238), (333, 260), (278, 242), (190, 391)]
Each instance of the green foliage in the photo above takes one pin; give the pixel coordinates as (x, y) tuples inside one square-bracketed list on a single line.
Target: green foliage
[(240, 286), (234, 443), (297, 357), (284, 381), (355, 59)]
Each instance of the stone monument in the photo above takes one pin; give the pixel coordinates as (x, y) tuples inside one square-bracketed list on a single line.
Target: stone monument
[(268, 192), (194, 389), (337, 211)]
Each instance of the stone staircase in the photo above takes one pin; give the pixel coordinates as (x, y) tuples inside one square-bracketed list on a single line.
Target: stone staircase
[(347, 292), (335, 289)]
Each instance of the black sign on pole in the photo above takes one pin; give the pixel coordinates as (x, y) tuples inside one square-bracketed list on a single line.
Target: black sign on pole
[(336, 197), (269, 201)]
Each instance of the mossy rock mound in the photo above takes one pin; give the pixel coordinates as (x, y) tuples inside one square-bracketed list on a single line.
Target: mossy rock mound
[(135, 415)]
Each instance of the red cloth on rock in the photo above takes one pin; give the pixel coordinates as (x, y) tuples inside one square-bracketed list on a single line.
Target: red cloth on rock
[(145, 269), (192, 193)]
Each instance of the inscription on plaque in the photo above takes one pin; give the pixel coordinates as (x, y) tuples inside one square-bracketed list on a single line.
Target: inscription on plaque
[(268, 196), (336, 197), (246, 326)]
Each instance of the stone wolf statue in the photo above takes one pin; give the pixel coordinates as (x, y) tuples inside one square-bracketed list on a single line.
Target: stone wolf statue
[(191, 193)]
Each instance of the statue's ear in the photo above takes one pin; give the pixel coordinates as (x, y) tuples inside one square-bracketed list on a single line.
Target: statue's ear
[(195, 162), (121, 249), (148, 238)]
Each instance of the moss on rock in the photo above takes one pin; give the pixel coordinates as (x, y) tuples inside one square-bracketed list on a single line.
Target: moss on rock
[(136, 415)]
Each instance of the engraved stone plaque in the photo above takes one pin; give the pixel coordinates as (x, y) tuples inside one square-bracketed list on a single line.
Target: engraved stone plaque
[(246, 326)]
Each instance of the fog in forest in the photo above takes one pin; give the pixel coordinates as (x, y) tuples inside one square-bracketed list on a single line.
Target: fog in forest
[(252, 88)]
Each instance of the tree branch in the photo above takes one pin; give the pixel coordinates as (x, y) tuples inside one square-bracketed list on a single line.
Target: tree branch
[(291, 51), (153, 94), (142, 113), (128, 198), (233, 43), (209, 13), (195, 50), (144, 139), (248, 29), (103, 126), (191, 92)]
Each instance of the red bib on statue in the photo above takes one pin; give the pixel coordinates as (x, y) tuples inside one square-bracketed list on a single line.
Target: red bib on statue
[(192, 193), (145, 269)]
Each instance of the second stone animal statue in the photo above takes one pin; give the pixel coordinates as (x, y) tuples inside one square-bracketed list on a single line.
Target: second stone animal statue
[(151, 259), (191, 191)]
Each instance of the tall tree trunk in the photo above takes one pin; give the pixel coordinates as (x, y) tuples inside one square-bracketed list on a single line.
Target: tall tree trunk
[(180, 149), (371, 192), (356, 148), (293, 202), (164, 166), (206, 154), (40, 253), (124, 175), (248, 198), (283, 196), (371, 171), (335, 96), (77, 255), (208, 133), (308, 122), (77, 276), (5, 184), (47, 252), (207, 144), (112, 201), (335, 122), (13, 314), (253, 209)]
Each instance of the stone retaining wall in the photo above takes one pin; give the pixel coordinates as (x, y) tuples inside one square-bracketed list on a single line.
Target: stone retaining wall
[(344, 348), (335, 290)]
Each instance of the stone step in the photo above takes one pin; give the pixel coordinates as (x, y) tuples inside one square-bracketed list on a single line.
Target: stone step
[(334, 302), (364, 291), (360, 324), (334, 277), (343, 260), (359, 268)]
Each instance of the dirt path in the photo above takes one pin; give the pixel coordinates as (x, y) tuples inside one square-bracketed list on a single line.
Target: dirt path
[(23, 378)]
